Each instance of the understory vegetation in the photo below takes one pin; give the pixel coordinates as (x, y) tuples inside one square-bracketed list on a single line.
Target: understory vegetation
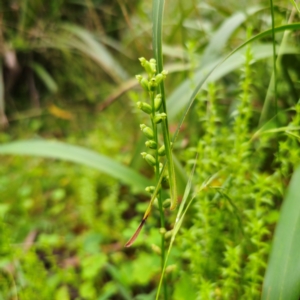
[(215, 113)]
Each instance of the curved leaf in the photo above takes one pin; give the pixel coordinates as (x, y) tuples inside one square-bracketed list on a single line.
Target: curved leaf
[(77, 154), (282, 279), (178, 100), (221, 36), (85, 42)]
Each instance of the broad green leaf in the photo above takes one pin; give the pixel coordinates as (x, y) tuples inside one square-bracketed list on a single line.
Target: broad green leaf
[(77, 154), (282, 279)]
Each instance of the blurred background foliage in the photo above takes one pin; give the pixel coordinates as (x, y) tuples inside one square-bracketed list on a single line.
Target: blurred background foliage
[(67, 73)]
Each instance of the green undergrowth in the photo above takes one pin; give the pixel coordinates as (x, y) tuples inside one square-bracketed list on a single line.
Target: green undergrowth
[(64, 226), (227, 237)]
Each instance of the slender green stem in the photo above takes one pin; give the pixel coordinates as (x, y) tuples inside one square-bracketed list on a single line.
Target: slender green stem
[(160, 204)]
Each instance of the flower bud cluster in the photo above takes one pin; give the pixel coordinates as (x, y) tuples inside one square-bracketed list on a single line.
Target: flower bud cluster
[(151, 85)]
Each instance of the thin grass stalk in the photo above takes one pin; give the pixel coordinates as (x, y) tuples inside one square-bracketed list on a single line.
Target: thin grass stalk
[(160, 204), (158, 7)]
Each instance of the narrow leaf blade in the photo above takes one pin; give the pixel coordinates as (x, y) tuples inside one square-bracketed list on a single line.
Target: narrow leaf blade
[(282, 279)]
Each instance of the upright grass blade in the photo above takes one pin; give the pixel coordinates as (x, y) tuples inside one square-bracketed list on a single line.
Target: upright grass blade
[(282, 279), (157, 19), (59, 150)]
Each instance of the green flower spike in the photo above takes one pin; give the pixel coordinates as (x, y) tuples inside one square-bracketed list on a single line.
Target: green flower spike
[(157, 102), (151, 144), (159, 117), (148, 132), (149, 159), (145, 107)]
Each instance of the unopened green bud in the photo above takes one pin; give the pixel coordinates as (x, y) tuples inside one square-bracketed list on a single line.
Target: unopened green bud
[(149, 159), (146, 65), (161, 76), (151, 144), (162, 231), (160, 167), (159, 117), (166, 179), (167, 203), (168, 234), (157, 102), (150, 189), (156, 249), (171, 268), (161, 151), (152, 62), (145, 107), (152, 84), (143, 82), (148, 132)]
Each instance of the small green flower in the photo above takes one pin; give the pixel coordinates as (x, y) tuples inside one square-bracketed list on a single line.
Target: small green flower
[(161, 151), (150, 189), (157, 102), (148, 66), (167, 203), (151, 144), (159, 117), (148, 132), (161, 76), (145, 107), (152, 62), (152, 84), (143, 82), (149, 159)]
